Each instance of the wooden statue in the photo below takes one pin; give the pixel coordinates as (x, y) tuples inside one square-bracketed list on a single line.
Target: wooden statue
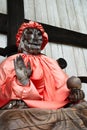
[(35, 93)]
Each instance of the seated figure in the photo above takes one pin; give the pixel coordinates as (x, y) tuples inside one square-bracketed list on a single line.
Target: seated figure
[(31, 76), (51, 100)]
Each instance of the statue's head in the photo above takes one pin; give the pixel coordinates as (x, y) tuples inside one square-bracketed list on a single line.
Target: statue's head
[(31, 38)]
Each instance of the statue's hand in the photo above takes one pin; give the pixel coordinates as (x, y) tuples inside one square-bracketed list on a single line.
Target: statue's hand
[(23, 73), (74, 85), (76, 95)]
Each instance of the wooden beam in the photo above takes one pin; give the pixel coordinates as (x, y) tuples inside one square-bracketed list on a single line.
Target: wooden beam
[(55, 34), (10, 23), (15, 11), (3, 23), (65, 36)]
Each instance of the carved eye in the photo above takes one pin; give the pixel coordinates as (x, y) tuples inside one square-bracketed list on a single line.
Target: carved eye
[(39, 33)]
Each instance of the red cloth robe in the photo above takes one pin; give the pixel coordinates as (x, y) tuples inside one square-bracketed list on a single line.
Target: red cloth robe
[(47, 88)]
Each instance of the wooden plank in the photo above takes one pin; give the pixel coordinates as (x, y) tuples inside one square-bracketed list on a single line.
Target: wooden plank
[(81, 68), (15, 12), (52, 20), (67, 50), (71, 15), (29, 10), (73, 26), (81, 54), (40, 13), (79, 15), (72, 68), (3, 43), (3, 6), (41, 16), (44, 13), (56, 34), (84, 10)]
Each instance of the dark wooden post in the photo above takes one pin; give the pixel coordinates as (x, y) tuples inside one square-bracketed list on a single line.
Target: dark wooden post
[(15, 10)]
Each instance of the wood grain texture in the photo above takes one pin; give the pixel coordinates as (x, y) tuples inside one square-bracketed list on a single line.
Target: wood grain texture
[(71, 118)]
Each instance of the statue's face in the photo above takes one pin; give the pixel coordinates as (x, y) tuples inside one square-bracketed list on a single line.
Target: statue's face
[(31, 41)]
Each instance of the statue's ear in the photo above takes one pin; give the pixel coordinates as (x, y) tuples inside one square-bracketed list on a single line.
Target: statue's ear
[(62, 63), (8, 51)]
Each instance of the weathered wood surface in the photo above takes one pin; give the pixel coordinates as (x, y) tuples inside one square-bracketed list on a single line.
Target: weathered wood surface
[(72, 118)]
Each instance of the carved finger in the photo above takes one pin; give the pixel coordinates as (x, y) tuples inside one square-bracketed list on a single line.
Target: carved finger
[(82, 95), (20, 62), (78, 94), (75, 97)]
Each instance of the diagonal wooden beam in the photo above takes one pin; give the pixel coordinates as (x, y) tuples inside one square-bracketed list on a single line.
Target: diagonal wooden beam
[(55, 34), (64, 36)]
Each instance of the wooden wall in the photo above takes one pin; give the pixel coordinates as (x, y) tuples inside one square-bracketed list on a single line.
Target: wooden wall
[(69, 14), (3, 38)]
